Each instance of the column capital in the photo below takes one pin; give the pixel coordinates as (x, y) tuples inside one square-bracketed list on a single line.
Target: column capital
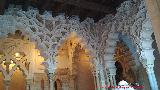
[(98, 71), (110, 64), (94, 73), (110, 49), (50, 66), (28, 80), (50, 75), (147, 57), (99, 66), (7, 82), (149, 68), (110, 67), (112, 71), (109, 57)]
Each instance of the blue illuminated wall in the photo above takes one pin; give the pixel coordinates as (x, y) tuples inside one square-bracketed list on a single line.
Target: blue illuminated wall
[(128, 42)]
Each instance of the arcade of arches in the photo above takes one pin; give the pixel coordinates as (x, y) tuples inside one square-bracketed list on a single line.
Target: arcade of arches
[(42, 52)]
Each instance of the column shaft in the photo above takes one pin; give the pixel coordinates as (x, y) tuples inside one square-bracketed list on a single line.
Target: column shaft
[(98, 81), (50, 75), (6, 84), (151, 81), (151, 77), (103, 84), (155, 81), (147, 56)]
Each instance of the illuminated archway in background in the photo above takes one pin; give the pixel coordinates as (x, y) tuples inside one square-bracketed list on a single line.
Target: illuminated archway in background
[(18, 56), (73, 56)]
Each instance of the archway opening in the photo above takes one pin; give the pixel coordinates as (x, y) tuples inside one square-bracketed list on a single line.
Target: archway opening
[(72, 56), (119, 75), (124, 63), (21, 63), (17, 81)]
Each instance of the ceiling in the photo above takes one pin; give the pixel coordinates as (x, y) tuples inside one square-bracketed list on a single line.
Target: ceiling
[(83, 8)]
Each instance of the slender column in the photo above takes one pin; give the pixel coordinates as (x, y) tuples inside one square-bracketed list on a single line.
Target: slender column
[(112, 73), (103, 84), (50, 70), (95, 81), (109, 58), (50, 75), (151, 76), (111, 76), (111, 80), (147, 57), (6, 84), (28, 84), (114, 79), (107, 83), (98, 80), (154, 79), (148, 63)]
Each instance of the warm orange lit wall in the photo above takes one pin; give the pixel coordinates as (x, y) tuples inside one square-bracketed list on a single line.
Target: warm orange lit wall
[(18, 81), (62, 61), (1, 81), (65, 52), (38, 67), (85, 79)]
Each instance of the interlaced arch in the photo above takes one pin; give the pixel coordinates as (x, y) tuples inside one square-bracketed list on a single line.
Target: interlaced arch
[(10, 49)]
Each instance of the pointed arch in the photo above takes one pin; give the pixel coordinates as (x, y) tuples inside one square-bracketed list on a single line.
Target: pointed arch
[(73, 56), (81, 41)]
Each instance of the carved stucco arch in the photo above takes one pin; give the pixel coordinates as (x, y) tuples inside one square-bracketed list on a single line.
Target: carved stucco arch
[(26, 22), (46, 31), (139, 30), (82, 40), (129, 21), (8, 54)]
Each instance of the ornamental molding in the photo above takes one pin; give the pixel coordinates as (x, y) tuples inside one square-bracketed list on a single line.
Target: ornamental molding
[(49, 32), (46, 31), (133, 21), (9, 62), (128, 21)]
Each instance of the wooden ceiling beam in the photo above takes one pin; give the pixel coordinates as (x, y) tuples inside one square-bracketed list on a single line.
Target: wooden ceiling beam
[(88, 5), (3, 5)]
